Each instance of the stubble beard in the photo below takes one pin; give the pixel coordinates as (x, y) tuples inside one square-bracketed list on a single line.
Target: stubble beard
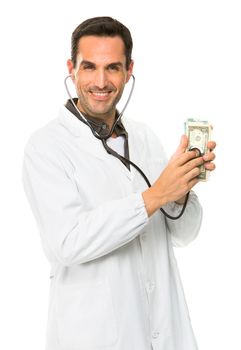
[(107, 114)]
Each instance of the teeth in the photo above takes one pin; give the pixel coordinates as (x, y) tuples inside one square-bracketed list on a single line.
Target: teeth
[(100, 93)]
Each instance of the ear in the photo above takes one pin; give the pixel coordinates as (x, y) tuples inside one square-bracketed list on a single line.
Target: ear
[(70, 66), (129, 71)]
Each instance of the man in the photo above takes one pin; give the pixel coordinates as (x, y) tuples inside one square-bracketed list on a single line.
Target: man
[(114, 279)]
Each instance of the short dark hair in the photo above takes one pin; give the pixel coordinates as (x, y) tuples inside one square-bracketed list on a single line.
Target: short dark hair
[(102, 26)]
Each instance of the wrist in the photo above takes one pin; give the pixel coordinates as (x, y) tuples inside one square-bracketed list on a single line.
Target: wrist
[(181, 200), (152, 200)]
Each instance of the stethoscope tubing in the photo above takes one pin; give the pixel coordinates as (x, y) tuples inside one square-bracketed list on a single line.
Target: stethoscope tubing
[(95, 133), (115, 154)]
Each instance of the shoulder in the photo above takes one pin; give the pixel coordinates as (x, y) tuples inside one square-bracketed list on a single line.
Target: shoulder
[(44, 149), (43, 137), (53, 135)]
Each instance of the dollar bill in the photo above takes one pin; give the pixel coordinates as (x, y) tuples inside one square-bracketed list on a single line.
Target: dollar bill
[(199, 133)]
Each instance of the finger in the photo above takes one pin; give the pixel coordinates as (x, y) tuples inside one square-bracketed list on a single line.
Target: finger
[(181, 148), (211, 145), (185, 158), (183, 144), (192, 183), (192, 168), (209, 157), (210, 166), (192, 174)]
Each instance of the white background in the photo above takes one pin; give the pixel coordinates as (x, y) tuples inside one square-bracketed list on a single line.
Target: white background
[(187, 64)]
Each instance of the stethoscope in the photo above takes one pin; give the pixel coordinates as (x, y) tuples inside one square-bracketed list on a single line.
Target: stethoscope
[(111, 151)]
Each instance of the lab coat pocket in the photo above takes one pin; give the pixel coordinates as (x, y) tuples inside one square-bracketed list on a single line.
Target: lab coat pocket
[(85, 316)]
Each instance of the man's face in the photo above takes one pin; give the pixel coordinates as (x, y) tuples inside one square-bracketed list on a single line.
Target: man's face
[(100, 75)]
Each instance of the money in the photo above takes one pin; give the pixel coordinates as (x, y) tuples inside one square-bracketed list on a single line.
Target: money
[(199, 133)]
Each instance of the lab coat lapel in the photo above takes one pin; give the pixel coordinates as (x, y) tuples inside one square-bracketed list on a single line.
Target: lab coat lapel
[(137, 155), (85, 135), (83, 132), (135, 151)]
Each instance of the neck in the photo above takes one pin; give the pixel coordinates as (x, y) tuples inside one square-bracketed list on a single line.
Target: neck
[(108, 119)]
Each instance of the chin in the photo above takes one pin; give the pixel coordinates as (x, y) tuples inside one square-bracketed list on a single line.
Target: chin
[(101, 112)]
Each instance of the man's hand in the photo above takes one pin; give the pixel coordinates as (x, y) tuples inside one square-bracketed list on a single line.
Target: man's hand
[(178, 178), (208, 158)]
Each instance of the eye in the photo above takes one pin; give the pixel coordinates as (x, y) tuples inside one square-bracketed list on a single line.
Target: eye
[(114, 67), (88, 66)]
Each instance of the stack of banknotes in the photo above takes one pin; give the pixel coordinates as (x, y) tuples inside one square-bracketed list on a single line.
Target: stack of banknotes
[(199, 133)]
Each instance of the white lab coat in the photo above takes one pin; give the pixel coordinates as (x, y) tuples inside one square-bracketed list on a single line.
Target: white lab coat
[(114, 280)]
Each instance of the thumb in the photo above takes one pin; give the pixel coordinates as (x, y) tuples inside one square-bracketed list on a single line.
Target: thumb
[(181, 148)]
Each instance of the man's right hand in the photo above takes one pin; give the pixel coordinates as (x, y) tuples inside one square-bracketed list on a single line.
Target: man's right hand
[(176, 180)]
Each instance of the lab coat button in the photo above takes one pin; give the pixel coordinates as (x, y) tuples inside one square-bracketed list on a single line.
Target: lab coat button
[(150, 286), (143, 237), (155, 335)]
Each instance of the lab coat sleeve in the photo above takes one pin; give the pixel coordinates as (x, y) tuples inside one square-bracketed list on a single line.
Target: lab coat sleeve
[(185, 229), (71, 234)]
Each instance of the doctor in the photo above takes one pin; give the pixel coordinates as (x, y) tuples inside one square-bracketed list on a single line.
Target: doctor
[(114, 279)]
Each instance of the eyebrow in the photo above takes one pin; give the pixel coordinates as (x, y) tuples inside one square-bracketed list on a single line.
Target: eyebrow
[(85, 62), (119, 64)]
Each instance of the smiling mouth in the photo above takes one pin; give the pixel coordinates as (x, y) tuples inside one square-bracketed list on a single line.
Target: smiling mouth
[(100, 95)]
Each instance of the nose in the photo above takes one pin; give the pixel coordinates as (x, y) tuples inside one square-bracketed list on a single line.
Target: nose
[(101, 78)]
